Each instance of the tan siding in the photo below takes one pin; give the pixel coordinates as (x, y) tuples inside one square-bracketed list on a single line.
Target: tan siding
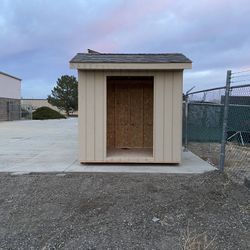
[(129, 73), (92, 116), (130, 66), (111, 115), (158, 147), (82, 115), (168, 107), (167, 114), (177, 116), (90, 119), (99, 116), (104, 116)]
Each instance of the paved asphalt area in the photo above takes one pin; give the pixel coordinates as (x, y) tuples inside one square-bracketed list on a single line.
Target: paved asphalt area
[(123, 211)]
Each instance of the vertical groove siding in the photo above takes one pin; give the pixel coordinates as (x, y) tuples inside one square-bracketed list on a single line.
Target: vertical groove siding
[(168, 115), (167, 123), (92, 118), (159, 112), (99, 116), (82, 116), (177, 115)]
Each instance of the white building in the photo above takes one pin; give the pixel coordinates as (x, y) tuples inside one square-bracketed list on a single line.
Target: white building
[(10, 95)]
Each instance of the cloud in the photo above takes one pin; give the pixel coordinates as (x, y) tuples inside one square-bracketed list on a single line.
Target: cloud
[(38, 38)]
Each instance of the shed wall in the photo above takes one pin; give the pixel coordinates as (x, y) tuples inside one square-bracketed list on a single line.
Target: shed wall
[(167, 130)]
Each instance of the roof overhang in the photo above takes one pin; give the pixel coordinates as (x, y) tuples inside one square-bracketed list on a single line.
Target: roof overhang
[(8, 75), (130, 66)]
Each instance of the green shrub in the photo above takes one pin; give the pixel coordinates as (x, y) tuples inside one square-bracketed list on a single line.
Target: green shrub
[(45, 113)]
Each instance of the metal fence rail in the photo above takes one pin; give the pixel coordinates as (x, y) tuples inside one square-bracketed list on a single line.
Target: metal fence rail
[(217, 125)]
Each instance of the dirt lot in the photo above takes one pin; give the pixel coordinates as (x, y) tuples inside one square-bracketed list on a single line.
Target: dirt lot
[(237, 162), (116, 211)]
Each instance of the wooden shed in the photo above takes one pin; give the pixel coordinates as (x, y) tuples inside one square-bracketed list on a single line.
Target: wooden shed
[(130, 107)]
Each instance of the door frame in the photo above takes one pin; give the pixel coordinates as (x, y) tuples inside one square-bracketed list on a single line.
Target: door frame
[(125, 75)]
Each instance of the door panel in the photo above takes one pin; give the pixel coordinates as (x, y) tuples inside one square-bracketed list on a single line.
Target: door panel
[(148, 115), (122, 113), (136, 116), (130, 112)]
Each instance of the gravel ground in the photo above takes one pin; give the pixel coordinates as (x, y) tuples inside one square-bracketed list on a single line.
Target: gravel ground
[(237, 162), (116, 211)]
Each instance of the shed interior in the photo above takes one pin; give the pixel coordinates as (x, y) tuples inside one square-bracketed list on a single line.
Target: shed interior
[(130, 117)]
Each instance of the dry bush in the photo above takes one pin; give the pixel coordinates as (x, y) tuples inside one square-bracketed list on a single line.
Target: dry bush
[(194, 241)]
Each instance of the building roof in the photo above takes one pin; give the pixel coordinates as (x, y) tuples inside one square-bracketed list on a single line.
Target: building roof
[(130, 58), (2, 73)]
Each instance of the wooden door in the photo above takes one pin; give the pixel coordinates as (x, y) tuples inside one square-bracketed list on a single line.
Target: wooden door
[(130, 113), (148, 115), (122, 115), (135, 113)]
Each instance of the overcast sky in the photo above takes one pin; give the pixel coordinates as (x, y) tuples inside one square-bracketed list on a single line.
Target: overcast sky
[(39, 37)]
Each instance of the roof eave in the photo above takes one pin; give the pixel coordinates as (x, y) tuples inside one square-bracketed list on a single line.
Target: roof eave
[(130, 66), (14, 77)]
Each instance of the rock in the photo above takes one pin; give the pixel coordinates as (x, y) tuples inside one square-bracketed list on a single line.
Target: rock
[(155, 219), (247, 182)]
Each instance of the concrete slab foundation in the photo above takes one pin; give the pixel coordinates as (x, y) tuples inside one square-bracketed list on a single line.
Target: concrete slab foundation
[(51, 146)]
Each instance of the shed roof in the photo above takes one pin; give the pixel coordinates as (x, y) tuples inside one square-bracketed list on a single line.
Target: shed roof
[(130, 58)]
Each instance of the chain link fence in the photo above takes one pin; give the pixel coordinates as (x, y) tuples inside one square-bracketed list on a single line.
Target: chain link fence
[(12, 110), (26, 111), (215, 116), (9, 109)]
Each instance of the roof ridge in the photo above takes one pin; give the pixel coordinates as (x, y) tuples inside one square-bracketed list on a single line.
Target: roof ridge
[(130, 58), (91, 54)]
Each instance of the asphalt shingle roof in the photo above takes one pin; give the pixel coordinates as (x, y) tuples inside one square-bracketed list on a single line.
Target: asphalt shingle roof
[(130, 58)]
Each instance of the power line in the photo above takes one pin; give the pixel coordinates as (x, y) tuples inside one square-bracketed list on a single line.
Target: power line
[(245, 80), (240, 86), (240, 76), (243, 71)]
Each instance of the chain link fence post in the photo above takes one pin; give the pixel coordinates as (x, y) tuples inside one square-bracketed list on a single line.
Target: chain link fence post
[(186, 119), (219, 126), (225, 120)]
